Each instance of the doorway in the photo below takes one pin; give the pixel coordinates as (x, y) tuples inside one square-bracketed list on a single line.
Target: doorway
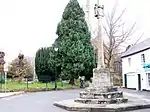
[(125, 80), (139, 81)]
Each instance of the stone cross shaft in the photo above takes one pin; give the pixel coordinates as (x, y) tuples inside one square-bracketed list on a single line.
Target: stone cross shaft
[(99, 13)]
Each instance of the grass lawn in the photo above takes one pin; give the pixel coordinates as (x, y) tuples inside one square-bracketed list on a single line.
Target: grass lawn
[(36, 85)]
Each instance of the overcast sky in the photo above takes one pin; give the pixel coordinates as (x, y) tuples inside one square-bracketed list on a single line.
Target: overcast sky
[(26, 25)]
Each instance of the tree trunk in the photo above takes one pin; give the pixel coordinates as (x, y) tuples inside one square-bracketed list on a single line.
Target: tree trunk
[(72, 82), (19, 79), (109, 59), (46, 85)]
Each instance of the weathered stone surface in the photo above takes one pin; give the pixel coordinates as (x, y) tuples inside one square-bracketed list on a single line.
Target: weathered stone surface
[(100, 95), (101, 101), (71, 105), (94, 95), (101, 78), (101, 91)]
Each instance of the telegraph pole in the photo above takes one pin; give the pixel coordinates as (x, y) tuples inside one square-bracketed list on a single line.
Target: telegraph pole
[(99, 14)]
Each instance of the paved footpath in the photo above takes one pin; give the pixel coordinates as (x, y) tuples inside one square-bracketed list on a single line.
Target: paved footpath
[(3, 95), (43, 101), (134, 94)]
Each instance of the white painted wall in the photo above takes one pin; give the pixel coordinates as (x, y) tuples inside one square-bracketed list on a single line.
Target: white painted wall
[(135, 68)]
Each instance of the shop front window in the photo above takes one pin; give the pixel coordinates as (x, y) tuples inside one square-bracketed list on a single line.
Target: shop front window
[(142, 58), (148, 74)]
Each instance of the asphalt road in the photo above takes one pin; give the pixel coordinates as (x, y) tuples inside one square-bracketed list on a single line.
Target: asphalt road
[(43, 101)]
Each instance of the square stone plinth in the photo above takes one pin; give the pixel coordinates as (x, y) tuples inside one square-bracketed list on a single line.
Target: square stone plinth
[(101, 78), (70, 105)]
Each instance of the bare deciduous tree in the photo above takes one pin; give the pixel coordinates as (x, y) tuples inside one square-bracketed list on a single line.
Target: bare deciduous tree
[(116, 32)]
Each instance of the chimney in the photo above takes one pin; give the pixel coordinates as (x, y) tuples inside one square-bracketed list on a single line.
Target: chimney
[(127, 48)]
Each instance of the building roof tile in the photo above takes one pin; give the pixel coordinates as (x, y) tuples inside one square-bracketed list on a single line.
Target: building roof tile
[(144, 45)]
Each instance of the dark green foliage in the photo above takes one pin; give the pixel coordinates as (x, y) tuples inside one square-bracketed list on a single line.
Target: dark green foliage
[(53, 63), (42, 68), (76, 54)]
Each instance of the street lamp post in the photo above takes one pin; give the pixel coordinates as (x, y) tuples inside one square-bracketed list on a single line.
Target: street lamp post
[(2, 62), (99, 13), (5, 73), (56, 50)]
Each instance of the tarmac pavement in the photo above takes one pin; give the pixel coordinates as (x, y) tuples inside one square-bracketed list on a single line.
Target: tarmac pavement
[(43, 101)]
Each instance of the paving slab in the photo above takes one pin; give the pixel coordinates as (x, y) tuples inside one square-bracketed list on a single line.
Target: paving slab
[(135, 102), (3, 95)]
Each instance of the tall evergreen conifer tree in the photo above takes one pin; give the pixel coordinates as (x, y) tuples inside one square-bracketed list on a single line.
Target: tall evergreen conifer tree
[(75, 49)]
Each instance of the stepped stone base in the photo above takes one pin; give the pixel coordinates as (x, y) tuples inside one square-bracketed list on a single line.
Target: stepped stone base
[(71, 105), (107, 92), (99, 94), (101, 101), (109, 95), (101, 91)]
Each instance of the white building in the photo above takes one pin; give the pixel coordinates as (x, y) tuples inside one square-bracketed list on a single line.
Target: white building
[(136, 66)]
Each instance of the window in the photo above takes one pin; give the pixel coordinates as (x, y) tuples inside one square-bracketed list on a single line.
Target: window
[(129, 61), (142, 58), (148, 76)]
